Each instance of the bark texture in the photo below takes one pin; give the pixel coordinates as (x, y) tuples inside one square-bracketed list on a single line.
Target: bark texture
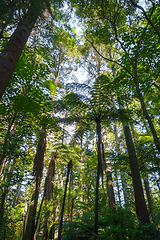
[(99, 169), (141, 208), (149, 196), (38, 169), (12, 51), (64, 198), (145, 112), (108, 170), (48, 190)]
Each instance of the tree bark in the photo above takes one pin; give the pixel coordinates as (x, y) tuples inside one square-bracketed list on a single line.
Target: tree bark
[(6, 141), (125, 191), (5, 191), (48, 190), (149, 197), (38, 169), (99, 170), (16, 195), (108, 170), (64, 198), (24, 217), (141, 207), (117, 152), (153, 130), (12, 51)]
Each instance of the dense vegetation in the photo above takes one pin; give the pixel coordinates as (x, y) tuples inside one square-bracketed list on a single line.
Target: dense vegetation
[(79, 119)]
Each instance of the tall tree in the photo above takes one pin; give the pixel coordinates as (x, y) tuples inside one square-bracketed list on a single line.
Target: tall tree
[(37, 169), (12, 51)]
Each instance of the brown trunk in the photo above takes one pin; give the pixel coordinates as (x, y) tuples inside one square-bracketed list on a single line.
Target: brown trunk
[(108, 170), (72, 206), (7, 179), (12, 51), (99, 171), (111, 197), (2, 205), (64, 198), (49, 182), (57, 211), (137, 184), (149, 197), (38, 169), (48, 190), (6, 142)]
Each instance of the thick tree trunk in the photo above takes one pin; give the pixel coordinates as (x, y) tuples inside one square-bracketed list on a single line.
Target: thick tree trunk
[(110, 189), (38, 169), (12, 51), (137, 184)]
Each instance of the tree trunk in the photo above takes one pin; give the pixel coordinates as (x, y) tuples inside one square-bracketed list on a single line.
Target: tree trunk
[(125, 191), (48, 190), (38, 169), (110, 190), (99, 170), (72, 206), (12, 51), (57, 211), (24, 217), (16, 195), (117, 152), (149, 197), (5, 191), (64, 198), (137, 184), (153, 130), (6, 142)]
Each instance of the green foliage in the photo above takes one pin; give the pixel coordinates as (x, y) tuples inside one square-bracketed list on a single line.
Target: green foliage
[(118, 225)]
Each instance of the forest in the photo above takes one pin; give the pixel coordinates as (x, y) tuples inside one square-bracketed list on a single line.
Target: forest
[(79, 122)]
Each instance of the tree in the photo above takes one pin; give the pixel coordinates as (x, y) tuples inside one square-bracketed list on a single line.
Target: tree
[(112, 19), (69, 167), (37, 169), (12, 51)]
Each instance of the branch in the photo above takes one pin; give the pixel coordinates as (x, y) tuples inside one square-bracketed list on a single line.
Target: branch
[(110, 60), (148, 19), (156, 86), (139, 43)]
